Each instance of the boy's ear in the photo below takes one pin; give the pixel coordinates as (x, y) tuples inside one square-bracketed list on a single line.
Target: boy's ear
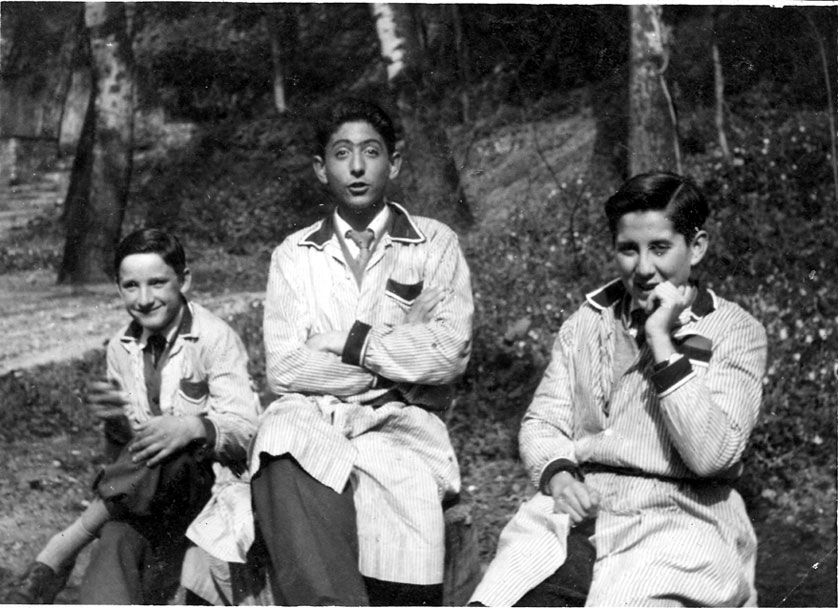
[(319, 166), (395, 164), (185, 280), (698, 247)]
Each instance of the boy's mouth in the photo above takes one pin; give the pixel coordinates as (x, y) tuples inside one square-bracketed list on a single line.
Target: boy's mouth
[(357, 188)]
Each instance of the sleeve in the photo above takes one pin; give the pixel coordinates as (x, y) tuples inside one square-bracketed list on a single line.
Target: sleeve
[(710, 417), (292, 367), (545, 440), (432, 353), (233, 405), (118, 430)]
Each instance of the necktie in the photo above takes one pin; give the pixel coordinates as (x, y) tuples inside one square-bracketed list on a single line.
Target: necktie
[(638, 322), (156, 344), (363, 239)]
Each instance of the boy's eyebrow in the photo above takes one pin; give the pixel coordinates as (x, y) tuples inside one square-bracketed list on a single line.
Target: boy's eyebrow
[(340, 142)]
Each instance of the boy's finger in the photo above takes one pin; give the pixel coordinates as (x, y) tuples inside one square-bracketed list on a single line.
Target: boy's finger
[(107, 412)]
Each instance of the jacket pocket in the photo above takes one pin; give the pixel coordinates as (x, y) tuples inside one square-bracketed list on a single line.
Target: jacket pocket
[(194, 391), (404, 293)]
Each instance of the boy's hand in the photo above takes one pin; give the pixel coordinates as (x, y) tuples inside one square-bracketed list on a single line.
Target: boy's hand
[(328, 342), (106, 400), (160, 437), (668, 302), (573, 497), (423, 307)]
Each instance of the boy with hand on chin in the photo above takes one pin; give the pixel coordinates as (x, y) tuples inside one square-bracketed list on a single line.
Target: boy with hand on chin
[(367, 323), (177, 398), (636, 431)]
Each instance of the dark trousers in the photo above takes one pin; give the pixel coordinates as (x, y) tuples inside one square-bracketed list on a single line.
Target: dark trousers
[(312, 540), (127, 567), (138, 556), (569, 585)]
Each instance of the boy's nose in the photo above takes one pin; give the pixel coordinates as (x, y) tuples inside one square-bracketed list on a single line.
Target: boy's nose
[(645, 266), (144, 296), (356, 166)]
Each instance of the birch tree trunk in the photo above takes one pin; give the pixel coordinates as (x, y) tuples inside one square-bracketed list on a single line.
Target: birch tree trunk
[(101, 173), (431, 180), (78, 95), (719, 88), (281, 25), (653, 140)]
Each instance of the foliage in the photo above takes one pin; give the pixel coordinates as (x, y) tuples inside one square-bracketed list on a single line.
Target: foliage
[(47, 400), (243, 184), (211, 61), (773, 251)]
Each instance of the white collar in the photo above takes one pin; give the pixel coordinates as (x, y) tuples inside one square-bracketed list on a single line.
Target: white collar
[(377, 225)]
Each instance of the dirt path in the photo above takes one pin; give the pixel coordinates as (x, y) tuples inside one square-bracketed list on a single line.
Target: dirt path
[(42, 322)]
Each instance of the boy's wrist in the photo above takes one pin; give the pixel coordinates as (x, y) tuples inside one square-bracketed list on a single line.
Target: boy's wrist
[(661, 346)]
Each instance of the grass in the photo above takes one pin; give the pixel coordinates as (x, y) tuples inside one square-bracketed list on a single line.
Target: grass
[(774, 243)]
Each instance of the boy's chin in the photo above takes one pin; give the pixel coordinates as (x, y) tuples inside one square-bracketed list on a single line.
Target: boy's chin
[(153, 325)]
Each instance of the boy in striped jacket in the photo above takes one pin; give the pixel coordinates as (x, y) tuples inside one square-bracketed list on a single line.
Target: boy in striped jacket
[(637, 430), (367, 323)]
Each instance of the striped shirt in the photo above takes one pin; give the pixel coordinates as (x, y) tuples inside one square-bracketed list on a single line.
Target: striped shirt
[(659, 446), (355, 418)]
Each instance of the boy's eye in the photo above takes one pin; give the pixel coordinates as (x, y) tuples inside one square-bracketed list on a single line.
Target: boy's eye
[(372, 151), (659, 249), (341, 153)]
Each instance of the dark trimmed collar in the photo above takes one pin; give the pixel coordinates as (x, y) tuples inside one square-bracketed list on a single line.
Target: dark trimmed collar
[(402, 229), (135, 330), (615, 291)]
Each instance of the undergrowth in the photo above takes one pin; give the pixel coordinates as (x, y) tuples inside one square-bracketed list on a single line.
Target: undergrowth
[(773, 251)]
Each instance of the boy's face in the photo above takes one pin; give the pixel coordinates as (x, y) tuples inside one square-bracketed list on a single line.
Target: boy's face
[(649, 252), (151, 290), (356, 167)]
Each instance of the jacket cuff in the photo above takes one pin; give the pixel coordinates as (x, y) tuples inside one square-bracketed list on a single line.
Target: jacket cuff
[(672, 376), (557, 466), (356, 344), (208, 443)]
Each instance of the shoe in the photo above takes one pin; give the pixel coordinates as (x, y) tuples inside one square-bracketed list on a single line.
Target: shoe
[(39, 584)]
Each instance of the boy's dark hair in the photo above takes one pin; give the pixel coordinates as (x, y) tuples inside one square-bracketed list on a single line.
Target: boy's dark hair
[(151, 240), (680, 199), (350, 109)]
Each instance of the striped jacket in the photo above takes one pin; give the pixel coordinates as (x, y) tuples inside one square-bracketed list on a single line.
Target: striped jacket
[(311, 289), (354, 418), (205, 375), (659, 445)]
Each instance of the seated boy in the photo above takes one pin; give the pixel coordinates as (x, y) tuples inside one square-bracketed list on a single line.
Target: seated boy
[(637, 430), (367, 321), (177, 398)]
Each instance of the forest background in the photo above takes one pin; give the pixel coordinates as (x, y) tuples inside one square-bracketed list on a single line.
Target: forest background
[(531, 105)]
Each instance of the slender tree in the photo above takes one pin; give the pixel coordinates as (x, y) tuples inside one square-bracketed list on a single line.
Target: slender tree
[(653, 140), (435, 183), (101, 174), (280, 22), (830, 104), (718, 86), (79, 87)]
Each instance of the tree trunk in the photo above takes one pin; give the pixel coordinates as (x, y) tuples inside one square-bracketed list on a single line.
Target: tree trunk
[(281, 26), (719, 87), (74, 107), (101, 173), (431, 179), (653, 141), (830, 106)]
